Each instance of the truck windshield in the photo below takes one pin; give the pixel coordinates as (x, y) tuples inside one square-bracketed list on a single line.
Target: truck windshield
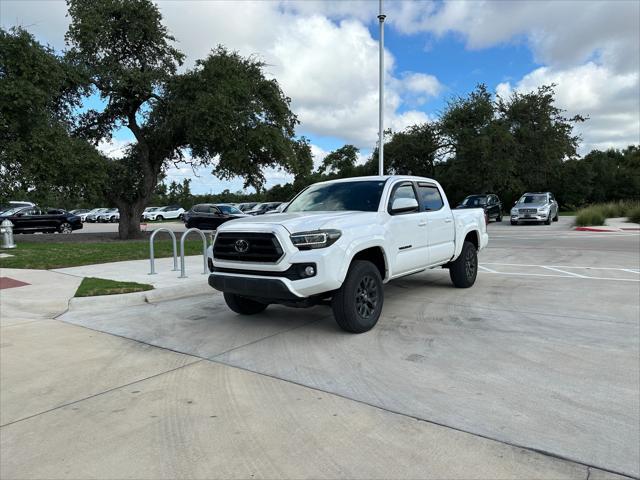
[(361, 196)]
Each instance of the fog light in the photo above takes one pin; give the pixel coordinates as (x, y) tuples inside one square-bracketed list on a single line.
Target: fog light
[(309, 271)]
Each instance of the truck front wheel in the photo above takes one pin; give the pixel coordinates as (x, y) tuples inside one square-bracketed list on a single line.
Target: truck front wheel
[(243, 305), (464, 269), (357, 305)]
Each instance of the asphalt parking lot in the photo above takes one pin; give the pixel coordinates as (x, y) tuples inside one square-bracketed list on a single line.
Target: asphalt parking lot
[(541, 356)]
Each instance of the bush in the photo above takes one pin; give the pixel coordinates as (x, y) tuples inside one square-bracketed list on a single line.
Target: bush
[(593, 215), (634, 214), (598, 213)]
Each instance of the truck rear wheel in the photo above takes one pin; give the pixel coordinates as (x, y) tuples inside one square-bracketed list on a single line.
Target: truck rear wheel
[(243, 305), (357, 305), (464, 270)]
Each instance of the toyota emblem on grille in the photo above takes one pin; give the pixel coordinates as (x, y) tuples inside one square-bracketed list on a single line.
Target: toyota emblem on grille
[(241, 246)]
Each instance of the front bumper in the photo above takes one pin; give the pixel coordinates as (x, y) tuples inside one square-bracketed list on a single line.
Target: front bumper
[(265, 288), (530, 217)]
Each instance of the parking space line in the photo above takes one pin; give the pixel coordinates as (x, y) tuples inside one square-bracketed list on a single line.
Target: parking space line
[(565, 276), (563, 271), (632, 270), (487, 269)]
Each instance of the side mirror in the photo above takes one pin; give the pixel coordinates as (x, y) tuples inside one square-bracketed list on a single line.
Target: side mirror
[(404, 205)]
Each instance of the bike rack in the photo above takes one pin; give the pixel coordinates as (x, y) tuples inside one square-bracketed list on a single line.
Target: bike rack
[(151, 252), (204, 251)]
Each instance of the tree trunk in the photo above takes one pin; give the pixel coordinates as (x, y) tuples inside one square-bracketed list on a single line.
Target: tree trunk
[(129, 226)]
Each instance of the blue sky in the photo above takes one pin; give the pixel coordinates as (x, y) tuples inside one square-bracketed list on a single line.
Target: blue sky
[(325, 56)]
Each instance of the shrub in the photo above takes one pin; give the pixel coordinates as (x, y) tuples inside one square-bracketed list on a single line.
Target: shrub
[(634, 214), (598, 213), (593, 215)]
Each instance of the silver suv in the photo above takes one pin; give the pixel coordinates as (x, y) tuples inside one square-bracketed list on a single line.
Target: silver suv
[(535, 207)]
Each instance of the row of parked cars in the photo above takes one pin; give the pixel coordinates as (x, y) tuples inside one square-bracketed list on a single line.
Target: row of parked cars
[(531, 207)]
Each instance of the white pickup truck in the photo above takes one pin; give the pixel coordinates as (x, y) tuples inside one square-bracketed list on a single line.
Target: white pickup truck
[(338, 242)]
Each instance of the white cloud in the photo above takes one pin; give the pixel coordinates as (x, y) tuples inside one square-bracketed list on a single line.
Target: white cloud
[(611, 101), (115, 148)]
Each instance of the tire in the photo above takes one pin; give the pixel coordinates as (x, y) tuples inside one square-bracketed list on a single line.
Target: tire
[(65, 228), (159, 218), (499, 218), (181, 217), (357, 305), (548, 220), (555, 219), (464, 270), (243, 305), (514, 222), (113, 219)]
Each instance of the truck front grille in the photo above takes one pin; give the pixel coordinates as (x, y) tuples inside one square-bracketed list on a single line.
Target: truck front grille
[(528, 210), (247, 247)]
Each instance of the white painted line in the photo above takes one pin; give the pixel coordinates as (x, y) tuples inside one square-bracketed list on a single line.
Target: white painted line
[(562, 271), (565, 276), (632, 270), (487, 269)]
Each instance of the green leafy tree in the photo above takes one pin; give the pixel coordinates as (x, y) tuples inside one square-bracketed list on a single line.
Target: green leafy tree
[(414, 151), (224, 112), (340, 162), (39, 158), (543, 137)]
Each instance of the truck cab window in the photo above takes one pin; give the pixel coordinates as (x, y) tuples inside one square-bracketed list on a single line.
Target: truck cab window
[(430, 197)]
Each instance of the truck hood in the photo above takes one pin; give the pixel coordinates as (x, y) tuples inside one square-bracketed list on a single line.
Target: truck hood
[(301, 221)]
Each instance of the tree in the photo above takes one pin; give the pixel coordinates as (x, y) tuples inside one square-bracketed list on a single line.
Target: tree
[(341, 161), (39, 159), (223, 112), (414, 150), (542, 136)]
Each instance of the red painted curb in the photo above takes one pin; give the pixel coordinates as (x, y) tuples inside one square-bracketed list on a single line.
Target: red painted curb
[(592, 229)]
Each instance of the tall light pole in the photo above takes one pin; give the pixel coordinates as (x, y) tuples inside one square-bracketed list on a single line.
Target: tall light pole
[(381, 18)]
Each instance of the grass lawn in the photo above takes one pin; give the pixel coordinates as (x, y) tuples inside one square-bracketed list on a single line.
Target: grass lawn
[(91, 287), (45, 255)]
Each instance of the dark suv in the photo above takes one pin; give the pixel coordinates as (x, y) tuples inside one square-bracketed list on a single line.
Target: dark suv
[(209, 216), (34, 219), (489, 202)]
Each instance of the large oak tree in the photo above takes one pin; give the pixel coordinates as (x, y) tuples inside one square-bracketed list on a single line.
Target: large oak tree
[(224, 112)]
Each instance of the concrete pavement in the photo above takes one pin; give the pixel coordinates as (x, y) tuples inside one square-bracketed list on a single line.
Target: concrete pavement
[(187, 389)]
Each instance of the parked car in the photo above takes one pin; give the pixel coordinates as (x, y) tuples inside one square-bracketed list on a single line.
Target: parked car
[(279, 209), (488, 201), (165, 213), (110, 215), (209, 216), (80, 212), (535, 207), (262, 208), (245, 207), (339, 241), (34, 219), (92, 216)]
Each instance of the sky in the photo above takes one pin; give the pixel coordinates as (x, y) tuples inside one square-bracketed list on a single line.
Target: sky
[(324, 54)]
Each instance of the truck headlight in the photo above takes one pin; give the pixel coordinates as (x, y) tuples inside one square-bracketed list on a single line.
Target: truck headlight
[(543, 210), (514, 211), (317, 239)]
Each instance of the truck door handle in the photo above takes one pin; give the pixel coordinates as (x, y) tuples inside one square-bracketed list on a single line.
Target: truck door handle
[(422, 223), (448, 220)]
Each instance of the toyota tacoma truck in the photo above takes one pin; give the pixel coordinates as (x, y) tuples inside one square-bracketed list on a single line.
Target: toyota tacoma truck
[(338, 242)]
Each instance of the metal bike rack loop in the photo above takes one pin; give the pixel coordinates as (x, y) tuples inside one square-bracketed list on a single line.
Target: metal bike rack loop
[(151, 252), (204, 251)]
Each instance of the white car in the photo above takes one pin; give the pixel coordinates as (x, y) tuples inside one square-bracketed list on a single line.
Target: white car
[(339, 241), (93, 215), (165, 213), (111, 215)]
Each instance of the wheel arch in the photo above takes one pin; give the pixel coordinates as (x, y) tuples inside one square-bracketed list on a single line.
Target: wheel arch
[(374, 254)]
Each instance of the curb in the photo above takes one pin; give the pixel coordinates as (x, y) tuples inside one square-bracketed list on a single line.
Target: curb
[(106, 302), (595, 229)]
